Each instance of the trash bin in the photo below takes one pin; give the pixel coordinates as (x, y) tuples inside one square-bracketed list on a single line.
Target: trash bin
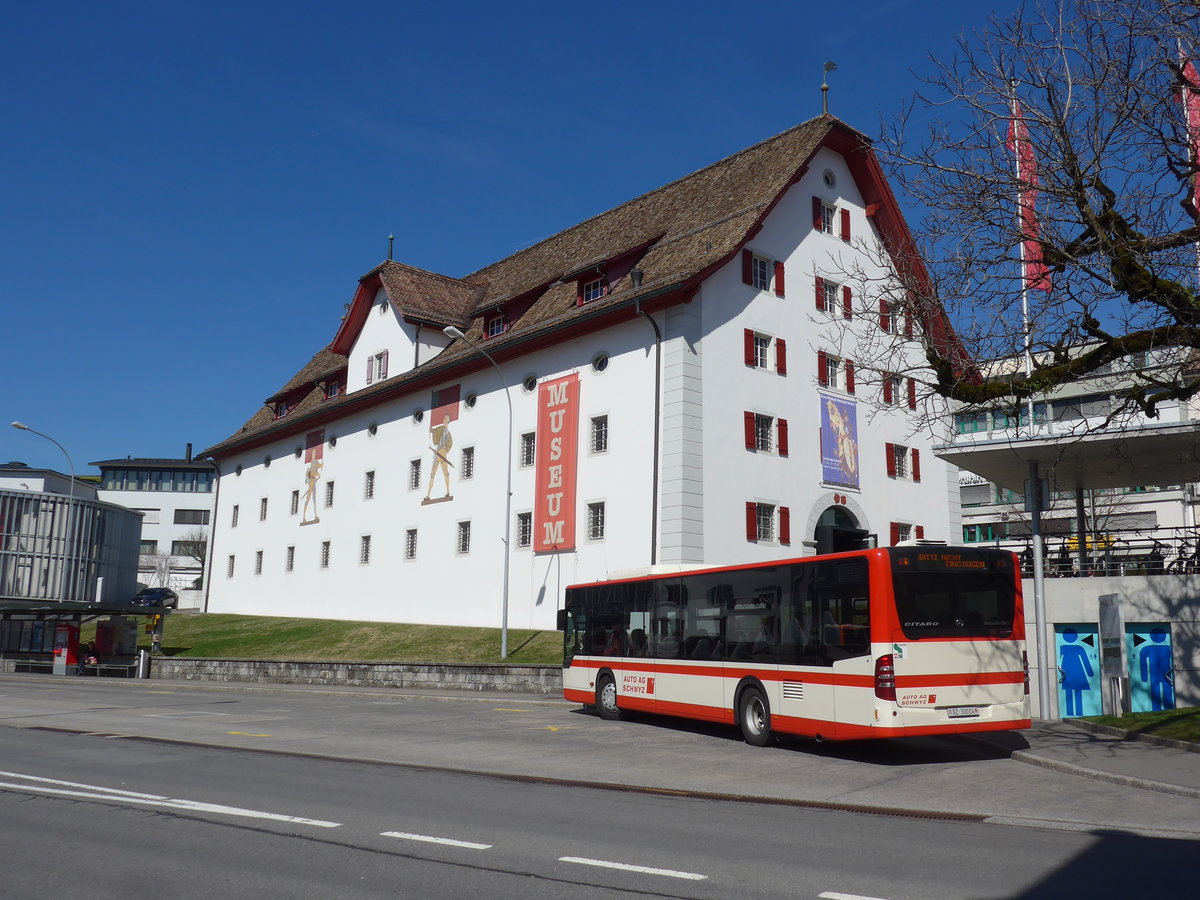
[(143, 664)]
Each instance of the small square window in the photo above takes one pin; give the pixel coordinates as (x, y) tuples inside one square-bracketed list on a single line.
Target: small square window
[(599, 438), (903, 532), (332, 389), (414, 474), (466, 468), (233, 517), (464, 538), (527, 449), (295, 507), (324, 554), (524, 529), (258, 559), (364, 550), (593, 290), (410, 543), (764, 431), (760, 273), (494, 326), (900, 455), (893, 395), (595, 521), (229, 567), (833, 372), (762, 347), (262, 509), (765, 520), (290, 562), (829, 289), (828, 215), (369, 486), (329, 493)]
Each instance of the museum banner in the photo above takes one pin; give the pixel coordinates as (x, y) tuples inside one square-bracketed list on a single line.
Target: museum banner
[(556, 454)]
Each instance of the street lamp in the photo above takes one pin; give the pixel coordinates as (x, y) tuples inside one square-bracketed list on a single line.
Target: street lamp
[(451, 331), (70, 505)]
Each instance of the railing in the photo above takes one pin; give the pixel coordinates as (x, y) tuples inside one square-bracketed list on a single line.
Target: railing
[(1152, 551)]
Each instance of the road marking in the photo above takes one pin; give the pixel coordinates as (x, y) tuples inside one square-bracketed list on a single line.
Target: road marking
[(247, 733), (552, 728), (500, 709), (625, 867), (184, 715), (97, 792), (428, 839), (834, 895)]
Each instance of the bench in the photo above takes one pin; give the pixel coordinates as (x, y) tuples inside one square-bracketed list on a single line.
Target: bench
[(126, 668), (33, 664)]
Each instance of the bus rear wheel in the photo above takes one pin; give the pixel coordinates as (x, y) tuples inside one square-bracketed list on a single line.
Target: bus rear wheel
[(606, 698), (754, 717)]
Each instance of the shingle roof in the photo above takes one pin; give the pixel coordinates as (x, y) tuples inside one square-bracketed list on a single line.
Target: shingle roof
[(681, 230)]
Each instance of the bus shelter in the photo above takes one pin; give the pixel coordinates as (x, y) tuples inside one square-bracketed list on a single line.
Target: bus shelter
[(44, 636)]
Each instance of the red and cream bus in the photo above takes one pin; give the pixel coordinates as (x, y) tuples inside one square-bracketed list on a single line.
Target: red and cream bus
[(890, 642)]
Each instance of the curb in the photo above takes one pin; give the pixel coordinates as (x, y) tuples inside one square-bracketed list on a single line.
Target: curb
[(1113, 731), (1144, 784)]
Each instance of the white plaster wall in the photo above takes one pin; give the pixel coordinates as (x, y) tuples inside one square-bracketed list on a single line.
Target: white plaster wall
[(441, 586), (381, 331)]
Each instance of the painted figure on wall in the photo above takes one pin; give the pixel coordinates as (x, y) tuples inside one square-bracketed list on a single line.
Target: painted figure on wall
[(441, 441), (1075, 672), (1156, 668), (314, 447)]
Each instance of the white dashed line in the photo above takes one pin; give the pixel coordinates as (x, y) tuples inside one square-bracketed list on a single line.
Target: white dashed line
[(834, 895), (428, 839), (625, 867)]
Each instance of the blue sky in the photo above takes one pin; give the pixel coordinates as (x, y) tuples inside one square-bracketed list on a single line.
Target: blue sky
[(191, 191)]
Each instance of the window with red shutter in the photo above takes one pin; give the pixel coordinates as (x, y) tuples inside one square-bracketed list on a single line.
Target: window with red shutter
[(847, 302), (778, 278), (887, 390), (781, 436), (752, 521), (785, 525), (916, 464), (908, 326), (890, 455), (822, 368), (845, 224), (781, 356), (919, 532), (747, 267), (748, 347), (820, 293), (849, 376), (818, 210), (912, 394), (370, 369), (895, 533), (885, 318), (748, 423), (383, 365)]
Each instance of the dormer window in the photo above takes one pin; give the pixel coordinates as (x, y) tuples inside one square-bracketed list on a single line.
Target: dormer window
[(592, 290), (495, 325), (332, 389), (281, 409)]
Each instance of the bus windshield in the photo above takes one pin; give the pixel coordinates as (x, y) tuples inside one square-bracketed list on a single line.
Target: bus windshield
[(961, 594)]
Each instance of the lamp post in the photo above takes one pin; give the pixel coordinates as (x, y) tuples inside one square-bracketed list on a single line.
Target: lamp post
[(70, 505), (451, 331)]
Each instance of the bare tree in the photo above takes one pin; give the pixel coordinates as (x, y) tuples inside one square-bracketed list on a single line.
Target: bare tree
[(161, 572), (1099, 85), (193, 544)]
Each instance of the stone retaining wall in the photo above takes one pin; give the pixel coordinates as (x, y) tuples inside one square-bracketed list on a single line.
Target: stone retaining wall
[(465, 677)]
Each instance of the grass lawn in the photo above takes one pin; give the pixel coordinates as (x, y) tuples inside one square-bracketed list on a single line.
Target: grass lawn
[(264, 637), (1177, 724)]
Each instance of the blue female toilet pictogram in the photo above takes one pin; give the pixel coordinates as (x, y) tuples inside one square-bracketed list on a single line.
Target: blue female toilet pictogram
[(1078, 670)]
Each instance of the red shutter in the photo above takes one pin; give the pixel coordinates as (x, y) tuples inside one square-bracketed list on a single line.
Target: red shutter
[(847, 302), (919, 531), (845, 224), (747, 267), (781, 437), (778, 278), (752, 521), (887, 389), (908, 326), (748, 421), (820, 294), (890, 450), (916, 465), (822, 368), (781, 356), (370, 369), (818, 210), (885, 318), (383, 365), (895, 530), (748, 346), (912, 394), (849, 376), (785, 525)]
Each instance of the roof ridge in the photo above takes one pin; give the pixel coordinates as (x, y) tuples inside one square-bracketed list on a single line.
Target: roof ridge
[(416, 269)]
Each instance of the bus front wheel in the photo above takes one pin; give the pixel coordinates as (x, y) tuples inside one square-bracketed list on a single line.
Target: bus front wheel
[(754, 717), (606, 698)]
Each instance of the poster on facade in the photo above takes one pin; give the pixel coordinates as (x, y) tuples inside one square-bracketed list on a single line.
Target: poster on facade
[(839, 442), (443, 408), (314, 451), (557, 450)]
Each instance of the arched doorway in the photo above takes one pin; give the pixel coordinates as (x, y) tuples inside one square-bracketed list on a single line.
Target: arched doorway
[(837, 530)]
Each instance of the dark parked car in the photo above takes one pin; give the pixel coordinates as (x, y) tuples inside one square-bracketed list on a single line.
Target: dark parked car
[(156, 597)]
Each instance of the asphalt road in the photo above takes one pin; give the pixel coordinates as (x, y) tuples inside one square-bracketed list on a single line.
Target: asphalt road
[(322, 794)]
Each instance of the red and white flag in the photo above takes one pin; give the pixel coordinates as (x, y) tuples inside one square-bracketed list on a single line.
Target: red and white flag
[(1190, 96), (1033, 269)]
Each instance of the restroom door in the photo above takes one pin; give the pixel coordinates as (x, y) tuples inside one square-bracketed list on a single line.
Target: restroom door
[(1077, 651), (1151, 666)]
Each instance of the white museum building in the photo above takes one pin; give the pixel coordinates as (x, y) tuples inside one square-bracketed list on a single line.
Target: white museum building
[(680, 380)]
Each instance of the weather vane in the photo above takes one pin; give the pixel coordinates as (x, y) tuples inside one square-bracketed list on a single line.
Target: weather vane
[(830, 66)]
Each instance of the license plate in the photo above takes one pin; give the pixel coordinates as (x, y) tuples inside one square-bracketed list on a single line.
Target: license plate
[(962, 712)]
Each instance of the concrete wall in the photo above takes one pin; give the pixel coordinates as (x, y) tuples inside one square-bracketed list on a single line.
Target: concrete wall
[(519, 679)]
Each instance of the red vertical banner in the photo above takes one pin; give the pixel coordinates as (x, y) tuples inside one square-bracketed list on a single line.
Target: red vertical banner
[(1190, 96), (314, 445), (556, 463), (1033, 270)]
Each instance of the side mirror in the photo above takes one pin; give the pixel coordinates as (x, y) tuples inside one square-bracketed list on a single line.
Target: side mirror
[(562, 620)]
